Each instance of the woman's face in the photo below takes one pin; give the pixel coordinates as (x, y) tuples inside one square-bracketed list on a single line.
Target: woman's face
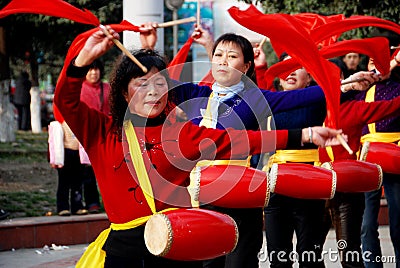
[(297, 79), (228, 64), (147, 95), (93, 75)]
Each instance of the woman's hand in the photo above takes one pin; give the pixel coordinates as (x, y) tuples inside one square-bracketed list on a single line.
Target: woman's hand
[(96, 46), (148, 35), (365, 80), (321, 136), (259, 56), (204, 38)]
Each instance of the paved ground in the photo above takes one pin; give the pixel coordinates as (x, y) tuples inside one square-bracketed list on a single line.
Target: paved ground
[(67, 258)]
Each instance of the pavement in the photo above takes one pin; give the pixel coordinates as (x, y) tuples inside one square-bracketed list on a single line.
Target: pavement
[(67, 256)]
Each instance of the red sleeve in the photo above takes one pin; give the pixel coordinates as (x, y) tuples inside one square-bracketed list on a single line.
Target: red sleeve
[(260, 76), (228, 144), (375, 111)]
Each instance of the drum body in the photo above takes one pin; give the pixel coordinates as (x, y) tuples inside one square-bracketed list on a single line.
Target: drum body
[(355, 176), (190, 234), (387, 155), (302, 181), (230, 186)]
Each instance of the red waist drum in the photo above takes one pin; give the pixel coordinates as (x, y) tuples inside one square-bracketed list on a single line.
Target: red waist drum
[(230, 186), (302, 181), (353, 176), (387, 155), (190, 234)]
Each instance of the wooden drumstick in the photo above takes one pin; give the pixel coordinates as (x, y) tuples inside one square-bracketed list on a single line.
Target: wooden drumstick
[(262, 42), (176, 22), (344, 143), (123, 49), (393, 47), (198, 13)]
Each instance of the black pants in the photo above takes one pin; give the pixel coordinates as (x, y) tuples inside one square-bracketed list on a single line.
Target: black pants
[(69, 190), (127, 249), (250, 224), (24, 116), (285, 216), (90, 191), (346, 212)]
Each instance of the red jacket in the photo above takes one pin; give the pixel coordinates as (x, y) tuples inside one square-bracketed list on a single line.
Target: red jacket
[(91, 95)]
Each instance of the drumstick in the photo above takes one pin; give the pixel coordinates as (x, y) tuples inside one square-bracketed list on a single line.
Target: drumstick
[(176, 22), (344, 143), (262, 42), (198, 13), (393, 47), (353, 81), (123, 49)]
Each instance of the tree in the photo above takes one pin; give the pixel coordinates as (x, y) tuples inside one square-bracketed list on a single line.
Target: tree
[(39, 43), (385, 9)]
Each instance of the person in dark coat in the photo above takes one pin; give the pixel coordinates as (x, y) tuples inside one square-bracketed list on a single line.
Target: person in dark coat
[(22, 100)]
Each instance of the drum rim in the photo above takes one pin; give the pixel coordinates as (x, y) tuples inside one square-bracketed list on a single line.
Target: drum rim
[(364, 151), (194, 185), (273, 177), (329, 166), (236, 232), (268, 190)]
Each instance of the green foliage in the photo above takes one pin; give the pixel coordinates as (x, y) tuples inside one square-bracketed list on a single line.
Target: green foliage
[(28, 204), (385, 9), (49, 35)]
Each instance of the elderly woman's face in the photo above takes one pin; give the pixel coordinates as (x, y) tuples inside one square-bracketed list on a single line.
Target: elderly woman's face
[(147, 95)]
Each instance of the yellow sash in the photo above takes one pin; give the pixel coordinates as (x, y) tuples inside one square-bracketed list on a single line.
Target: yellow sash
[(283, 156), (94, 256)]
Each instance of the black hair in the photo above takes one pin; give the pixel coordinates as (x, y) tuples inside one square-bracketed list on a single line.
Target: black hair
[(97, 64), (124, 71)]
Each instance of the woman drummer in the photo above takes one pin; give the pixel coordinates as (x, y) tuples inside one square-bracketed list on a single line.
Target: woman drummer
[(163, 145)]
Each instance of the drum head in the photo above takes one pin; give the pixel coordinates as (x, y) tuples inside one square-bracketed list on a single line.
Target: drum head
[(158, 235)]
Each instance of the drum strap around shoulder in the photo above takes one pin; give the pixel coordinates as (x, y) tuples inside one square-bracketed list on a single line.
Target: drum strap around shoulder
[(94, 255), (370, 97), (373, 136), (208, 119), (299, 156), (138, 164)]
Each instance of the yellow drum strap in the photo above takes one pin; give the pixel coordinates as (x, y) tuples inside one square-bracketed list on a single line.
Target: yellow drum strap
[(299, 156)]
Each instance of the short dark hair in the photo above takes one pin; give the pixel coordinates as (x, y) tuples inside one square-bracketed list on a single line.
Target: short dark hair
[(245, 46), (97, 64)]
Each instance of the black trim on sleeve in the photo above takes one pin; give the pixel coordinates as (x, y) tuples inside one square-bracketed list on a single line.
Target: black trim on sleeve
[(76, 72), (294, 139)]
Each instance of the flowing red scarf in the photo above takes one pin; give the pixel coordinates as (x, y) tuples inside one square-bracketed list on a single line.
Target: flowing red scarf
[(63, 9), (55, 8), (289, 33), (177, 63), (376, 48)]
